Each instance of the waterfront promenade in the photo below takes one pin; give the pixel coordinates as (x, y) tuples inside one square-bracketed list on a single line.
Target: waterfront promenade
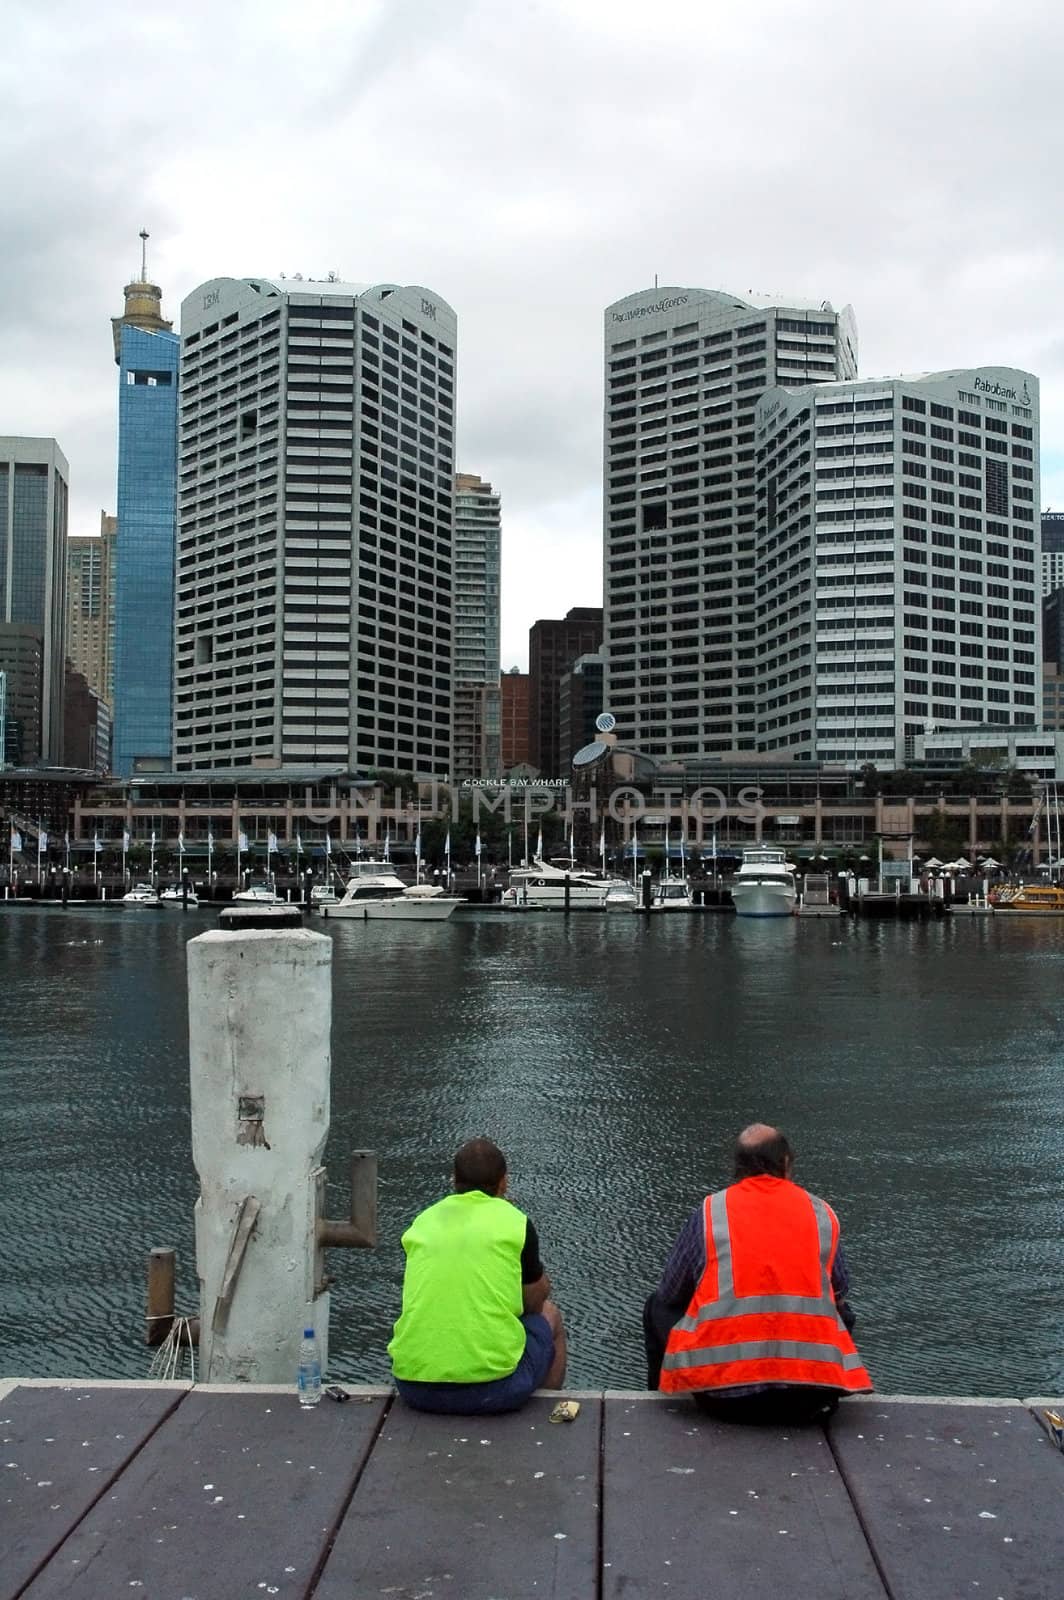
[(177, 1492)]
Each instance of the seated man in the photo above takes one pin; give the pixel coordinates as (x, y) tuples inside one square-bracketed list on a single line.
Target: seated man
[(477, 1332), (750, 1316)]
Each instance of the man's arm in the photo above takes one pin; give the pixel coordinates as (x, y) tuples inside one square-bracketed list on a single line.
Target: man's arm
[(535, 1285), (840, 1288), (685, 1266)]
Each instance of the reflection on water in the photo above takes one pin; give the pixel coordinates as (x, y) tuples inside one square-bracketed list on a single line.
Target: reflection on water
[(917, 1069)]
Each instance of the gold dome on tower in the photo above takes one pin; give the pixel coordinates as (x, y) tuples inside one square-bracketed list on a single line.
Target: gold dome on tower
[(144, 303)]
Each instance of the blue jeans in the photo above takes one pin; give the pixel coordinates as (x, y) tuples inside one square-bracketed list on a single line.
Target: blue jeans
[(494, 1394)]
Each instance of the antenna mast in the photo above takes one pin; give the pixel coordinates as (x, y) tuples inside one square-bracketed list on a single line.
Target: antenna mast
[(144, 237)]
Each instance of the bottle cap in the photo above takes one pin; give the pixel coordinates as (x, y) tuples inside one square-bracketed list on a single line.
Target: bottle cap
[(308, 1333)]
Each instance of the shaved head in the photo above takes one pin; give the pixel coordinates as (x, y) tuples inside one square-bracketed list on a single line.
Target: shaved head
[(762, 1151)]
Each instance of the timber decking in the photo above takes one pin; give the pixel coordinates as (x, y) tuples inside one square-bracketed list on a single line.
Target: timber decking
[(177, 1493)]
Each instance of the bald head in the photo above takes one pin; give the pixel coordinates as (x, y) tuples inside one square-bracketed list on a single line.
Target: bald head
[(480, 1164), (762, 1151)]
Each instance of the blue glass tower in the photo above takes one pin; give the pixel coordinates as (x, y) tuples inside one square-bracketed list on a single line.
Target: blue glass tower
[(147, 355)]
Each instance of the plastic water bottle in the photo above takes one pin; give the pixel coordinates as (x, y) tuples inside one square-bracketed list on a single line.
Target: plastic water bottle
[(309, 1378)]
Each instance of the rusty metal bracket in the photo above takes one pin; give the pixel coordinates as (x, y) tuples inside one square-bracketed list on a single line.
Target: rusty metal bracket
[(359, 1232)]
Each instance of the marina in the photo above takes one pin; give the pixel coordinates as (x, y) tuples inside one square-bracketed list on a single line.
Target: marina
[(915, 1066)]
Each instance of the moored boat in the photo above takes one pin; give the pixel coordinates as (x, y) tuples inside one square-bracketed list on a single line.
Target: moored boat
[(764, 884), (259, 892), (178, 895), (1036, 899), (142, 894), (375, 892), (544, 885)]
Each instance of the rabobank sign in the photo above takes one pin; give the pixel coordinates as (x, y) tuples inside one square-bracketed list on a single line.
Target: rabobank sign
[(651, 310)]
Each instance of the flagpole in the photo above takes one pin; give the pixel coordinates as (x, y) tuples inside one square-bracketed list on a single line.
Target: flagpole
[(447, 858), (125, 847), (210, 853), (95, 860), (478, 860), (66, 851), (151, 872), (181, 855), (38, 852), (417, 845), (635, 851), (239, 837), (509, 849)]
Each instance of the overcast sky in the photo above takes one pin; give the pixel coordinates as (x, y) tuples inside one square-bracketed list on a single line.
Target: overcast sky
[(532, 163)]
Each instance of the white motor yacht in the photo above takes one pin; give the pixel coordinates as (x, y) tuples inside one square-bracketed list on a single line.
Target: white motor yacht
[(259, 892), (543, 885), (176, 895), (323, 894), (142, 894), (764, 885), (375, 892)]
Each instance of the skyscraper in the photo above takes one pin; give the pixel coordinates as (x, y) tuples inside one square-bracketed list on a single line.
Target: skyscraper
[(90, 606), (477, 708), (315, 546), (684, 371), (33, 529), (1052, 551), (895, 574), (516, 692), (553, 646), (146, 352)]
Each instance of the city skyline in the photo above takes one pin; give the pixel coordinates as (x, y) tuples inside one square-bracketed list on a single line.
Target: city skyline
[(583, 192)]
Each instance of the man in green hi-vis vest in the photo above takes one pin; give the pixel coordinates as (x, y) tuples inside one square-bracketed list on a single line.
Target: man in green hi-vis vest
[(478, 1332)]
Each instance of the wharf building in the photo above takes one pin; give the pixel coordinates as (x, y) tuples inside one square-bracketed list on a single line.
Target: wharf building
[(477, 697), (147, 355), (553, 646), (314, 588), (90, 622), (34, 480), (580, 700), (685, 369), (895, 562)]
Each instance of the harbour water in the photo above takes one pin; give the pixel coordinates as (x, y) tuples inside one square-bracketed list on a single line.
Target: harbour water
[(918, 1068)]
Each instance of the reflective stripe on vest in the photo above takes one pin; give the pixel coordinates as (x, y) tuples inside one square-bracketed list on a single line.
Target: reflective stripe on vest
[(767, 1344)]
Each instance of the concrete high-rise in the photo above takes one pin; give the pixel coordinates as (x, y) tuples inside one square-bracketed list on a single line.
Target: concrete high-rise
[(895, 562), (314, 570), (684, 371), (90, 629), (34, 480), (477, 549), (553, 645), (146, 352)]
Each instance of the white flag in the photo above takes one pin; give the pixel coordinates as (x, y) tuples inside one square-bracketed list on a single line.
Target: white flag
[(66, 840), (153, 838), (417, 846), (242, 842), (96, 845), (42, 842), (210, 836), (125, 838), (387, 844), (539, 843), (447, 845), (328, 845), (476, 847), (299, 843), (271, 842), (602, 839), (16, 840)]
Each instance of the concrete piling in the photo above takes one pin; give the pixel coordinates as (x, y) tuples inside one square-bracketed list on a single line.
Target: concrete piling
[(260, 1007)]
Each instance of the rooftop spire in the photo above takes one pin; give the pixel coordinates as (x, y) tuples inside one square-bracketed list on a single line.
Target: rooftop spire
[(144, 302)]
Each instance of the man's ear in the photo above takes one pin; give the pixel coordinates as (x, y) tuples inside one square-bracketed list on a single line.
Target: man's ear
[(503, 1186)]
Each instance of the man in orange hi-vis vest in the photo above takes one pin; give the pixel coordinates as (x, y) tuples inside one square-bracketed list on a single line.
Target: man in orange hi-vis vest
[(750, 1316)]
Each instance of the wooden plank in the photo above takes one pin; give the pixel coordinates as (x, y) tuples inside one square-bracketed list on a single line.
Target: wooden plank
[(61, 1449), (694, 1509), (474, 1508), (236, 1495), (955, 1500)]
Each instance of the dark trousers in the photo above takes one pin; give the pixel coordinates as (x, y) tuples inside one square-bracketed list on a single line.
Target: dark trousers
[(784, 1405)]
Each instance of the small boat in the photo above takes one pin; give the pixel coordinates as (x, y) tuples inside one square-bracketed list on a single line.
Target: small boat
[(178, 895), (323, 894), (672, 894), (764, 884), (375, 893), (259, 892), (142, 894), (1035, 899), (620, 896)]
